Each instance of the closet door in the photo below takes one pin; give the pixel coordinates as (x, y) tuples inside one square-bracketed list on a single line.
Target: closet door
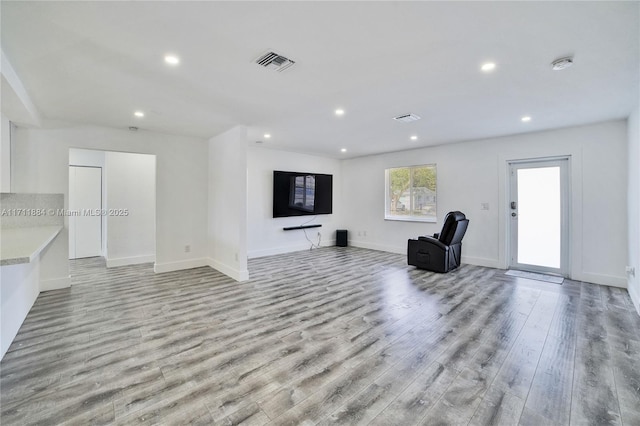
[(85, 204)]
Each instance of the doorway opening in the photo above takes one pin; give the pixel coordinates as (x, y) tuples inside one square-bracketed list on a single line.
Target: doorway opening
[(112, 206), (538, 215)]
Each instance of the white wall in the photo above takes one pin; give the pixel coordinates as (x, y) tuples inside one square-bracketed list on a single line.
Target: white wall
[(5, 154), (227, 226), (40, 163), (265, 235), (131, 184), (475, 172), (633, 199)]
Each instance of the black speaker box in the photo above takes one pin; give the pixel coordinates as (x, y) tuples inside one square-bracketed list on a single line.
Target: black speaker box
[(341, 238)]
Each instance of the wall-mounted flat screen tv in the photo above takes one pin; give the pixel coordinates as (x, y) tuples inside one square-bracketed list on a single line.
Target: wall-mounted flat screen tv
[(301, 193)]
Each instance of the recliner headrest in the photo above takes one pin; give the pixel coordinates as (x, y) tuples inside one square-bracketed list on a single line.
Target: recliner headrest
[(450, 226)]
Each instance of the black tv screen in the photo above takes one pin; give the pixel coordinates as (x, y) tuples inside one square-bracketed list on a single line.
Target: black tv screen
[(301, 193)]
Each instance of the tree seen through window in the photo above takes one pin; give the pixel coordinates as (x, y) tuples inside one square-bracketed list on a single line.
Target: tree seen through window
[(411, 193)]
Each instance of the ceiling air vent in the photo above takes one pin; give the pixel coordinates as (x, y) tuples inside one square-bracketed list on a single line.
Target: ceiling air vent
[(562, 63), (275, 61), (407, 118)]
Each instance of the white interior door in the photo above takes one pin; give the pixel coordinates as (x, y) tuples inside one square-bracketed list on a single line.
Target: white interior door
[(85, 204), (538, 212)]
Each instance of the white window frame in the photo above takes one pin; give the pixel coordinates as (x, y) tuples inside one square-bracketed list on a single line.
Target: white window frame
[(408, 218)]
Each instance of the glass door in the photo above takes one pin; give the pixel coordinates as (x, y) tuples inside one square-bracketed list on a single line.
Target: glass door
[(538, 214)]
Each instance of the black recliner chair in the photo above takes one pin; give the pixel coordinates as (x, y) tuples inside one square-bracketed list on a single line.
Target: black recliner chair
[(442, 252)]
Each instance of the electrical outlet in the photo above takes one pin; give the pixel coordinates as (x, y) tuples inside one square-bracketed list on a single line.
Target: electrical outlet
[(631, 271), (187, 248), (364, 233), (484, 206)]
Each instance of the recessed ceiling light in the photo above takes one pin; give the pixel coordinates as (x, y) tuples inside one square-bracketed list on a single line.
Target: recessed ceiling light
[(488, 66), (525, 119), (343, 150), (339, 111), (172, 59), (414, 138), (267, 135), (139, 114)]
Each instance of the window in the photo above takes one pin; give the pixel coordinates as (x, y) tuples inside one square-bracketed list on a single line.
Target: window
[(411, 193)]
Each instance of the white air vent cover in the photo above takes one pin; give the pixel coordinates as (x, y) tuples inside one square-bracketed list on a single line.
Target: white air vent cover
[(407, 118), (562, 63), (275, 61)]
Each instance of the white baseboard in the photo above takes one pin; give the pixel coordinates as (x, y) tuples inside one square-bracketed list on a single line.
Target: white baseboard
[(236, 274), (635, 297), (379, 247), (608, 280), (124, 261), (478, 261), (481, 261), (287, 249), (159, 268), (55, 284)]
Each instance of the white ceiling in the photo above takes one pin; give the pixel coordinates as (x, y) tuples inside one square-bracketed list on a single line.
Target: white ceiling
[(98, 62)]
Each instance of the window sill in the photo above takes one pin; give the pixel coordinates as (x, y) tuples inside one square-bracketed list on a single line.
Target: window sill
[(411, 219)]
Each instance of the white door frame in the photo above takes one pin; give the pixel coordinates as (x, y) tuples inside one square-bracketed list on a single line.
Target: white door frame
[(564, 162)]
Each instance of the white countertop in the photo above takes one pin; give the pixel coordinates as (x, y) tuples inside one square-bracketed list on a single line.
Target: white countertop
[(22, 245)]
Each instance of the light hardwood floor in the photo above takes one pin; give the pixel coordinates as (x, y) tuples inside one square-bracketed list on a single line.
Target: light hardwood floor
[(331, 336)]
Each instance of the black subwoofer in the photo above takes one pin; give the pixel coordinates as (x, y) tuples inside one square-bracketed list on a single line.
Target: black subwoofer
[(341, 238)]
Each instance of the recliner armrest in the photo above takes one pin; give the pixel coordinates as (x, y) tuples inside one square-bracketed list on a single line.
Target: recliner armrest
[(433, 242)]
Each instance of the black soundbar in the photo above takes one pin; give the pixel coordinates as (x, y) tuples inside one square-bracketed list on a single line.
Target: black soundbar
[(291, 228)]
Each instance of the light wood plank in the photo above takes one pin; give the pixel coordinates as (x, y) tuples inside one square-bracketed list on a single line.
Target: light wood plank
[(359, 337)]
